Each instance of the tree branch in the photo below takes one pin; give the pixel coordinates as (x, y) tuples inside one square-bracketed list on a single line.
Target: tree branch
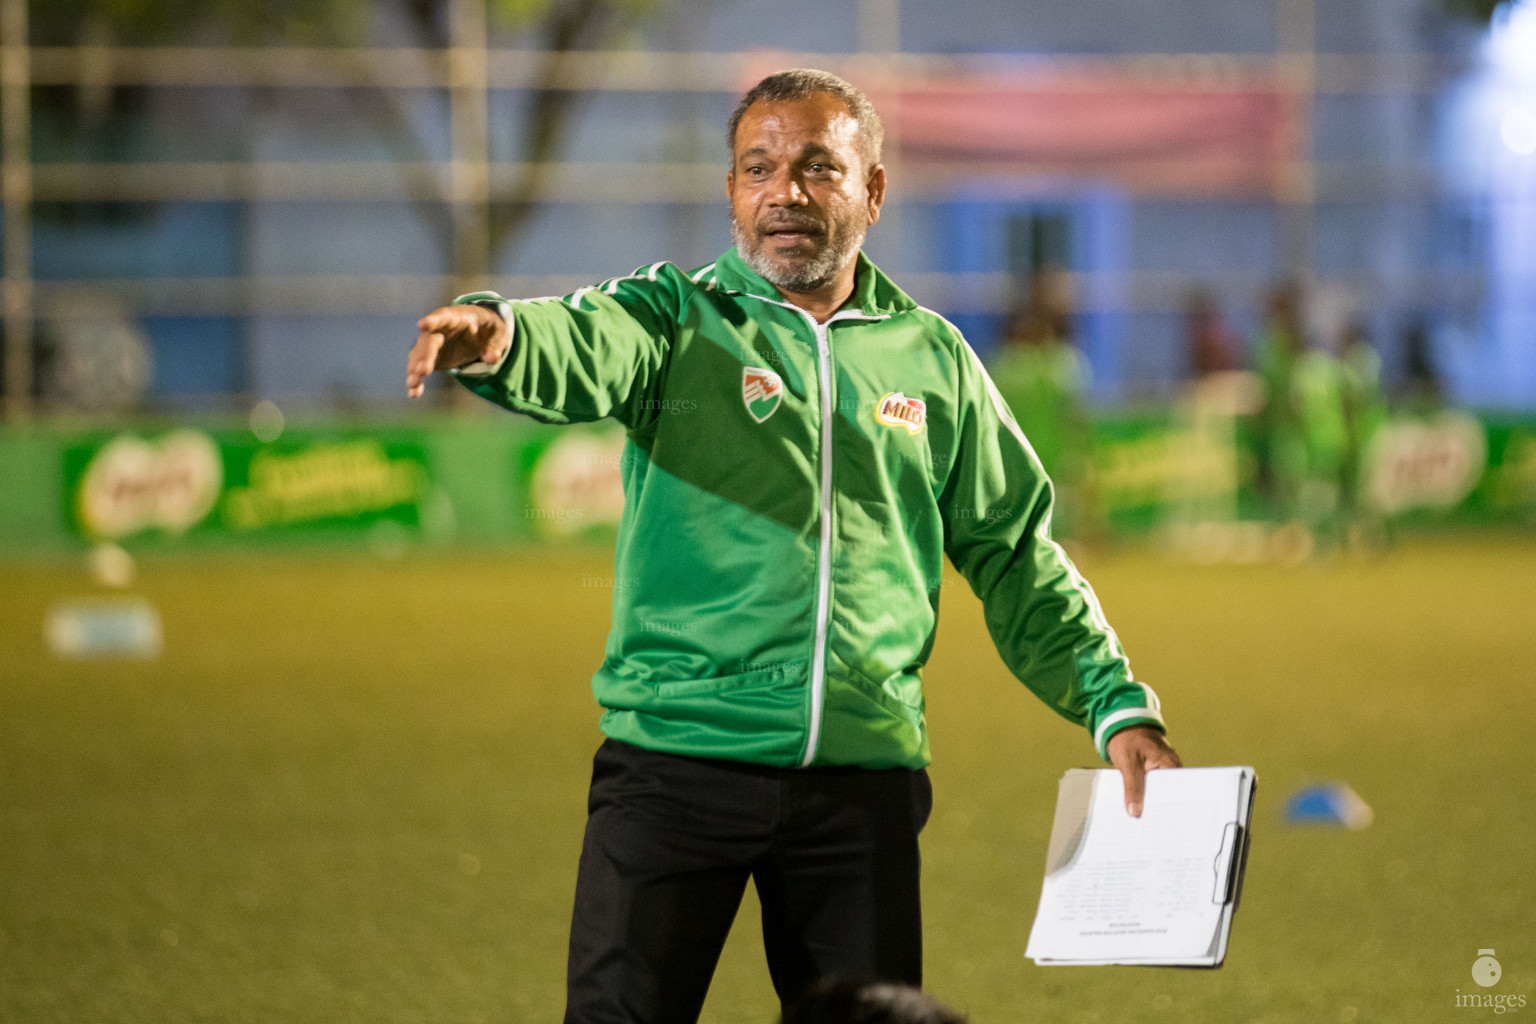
[(551, 107)]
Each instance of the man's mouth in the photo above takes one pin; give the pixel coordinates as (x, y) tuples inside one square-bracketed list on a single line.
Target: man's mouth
[(790, 234)]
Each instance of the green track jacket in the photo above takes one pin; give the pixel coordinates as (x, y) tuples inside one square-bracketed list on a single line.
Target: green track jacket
[(790, 492)]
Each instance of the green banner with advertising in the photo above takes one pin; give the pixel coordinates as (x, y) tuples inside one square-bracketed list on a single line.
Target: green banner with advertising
[(432, 482), (503, 480), (1176, 466), (189, 483)]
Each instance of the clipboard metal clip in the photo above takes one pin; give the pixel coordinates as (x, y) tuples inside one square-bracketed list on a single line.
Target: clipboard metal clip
[(1225, 866)]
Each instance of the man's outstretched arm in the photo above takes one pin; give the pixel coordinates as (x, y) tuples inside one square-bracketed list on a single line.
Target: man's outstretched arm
[(451, 337), (598, 352)]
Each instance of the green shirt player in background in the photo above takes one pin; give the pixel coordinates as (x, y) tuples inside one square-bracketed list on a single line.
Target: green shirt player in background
[(1045, 381), (805, 445), (1365, 407)]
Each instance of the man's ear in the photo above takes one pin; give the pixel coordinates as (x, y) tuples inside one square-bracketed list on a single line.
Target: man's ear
[(874, 188), (730, 183)]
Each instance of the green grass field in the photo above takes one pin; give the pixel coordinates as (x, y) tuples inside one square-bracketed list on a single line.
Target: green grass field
[(352, 790)]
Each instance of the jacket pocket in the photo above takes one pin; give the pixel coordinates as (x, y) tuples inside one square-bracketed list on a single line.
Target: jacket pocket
[(740, 681), (885, 698)]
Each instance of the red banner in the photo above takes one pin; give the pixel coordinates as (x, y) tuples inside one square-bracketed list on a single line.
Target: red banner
[(1151, 131)]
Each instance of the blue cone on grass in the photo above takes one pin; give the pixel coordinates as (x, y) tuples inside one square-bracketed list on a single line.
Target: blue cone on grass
[(1328, 803)]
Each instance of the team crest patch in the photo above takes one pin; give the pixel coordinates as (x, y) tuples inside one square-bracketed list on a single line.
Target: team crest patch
[(761, 390), (897, 410)]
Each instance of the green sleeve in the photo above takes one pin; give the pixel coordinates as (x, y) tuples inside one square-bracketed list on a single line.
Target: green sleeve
[(598, 352), (1043, 617)]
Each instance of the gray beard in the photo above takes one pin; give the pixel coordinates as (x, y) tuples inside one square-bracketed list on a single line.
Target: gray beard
[(842, 246)]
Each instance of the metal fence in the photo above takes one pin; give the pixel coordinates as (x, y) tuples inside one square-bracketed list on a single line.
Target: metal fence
[(468, 180)]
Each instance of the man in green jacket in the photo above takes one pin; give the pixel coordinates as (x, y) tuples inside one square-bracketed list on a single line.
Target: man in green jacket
[(805, 446)]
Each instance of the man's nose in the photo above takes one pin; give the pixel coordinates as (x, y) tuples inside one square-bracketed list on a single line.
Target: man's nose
[(786, 189)]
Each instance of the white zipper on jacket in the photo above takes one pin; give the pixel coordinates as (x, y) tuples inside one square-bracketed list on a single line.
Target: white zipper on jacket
[(824, 562)]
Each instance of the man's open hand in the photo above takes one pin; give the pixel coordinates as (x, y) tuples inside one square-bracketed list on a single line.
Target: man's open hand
[(1136, 751), (454, 336)]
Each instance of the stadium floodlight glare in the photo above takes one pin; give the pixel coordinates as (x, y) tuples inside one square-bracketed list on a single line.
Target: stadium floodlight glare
[(1518, 130), (1512, 44)]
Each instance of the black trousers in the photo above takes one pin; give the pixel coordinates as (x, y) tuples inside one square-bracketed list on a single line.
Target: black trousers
[(670, 844)]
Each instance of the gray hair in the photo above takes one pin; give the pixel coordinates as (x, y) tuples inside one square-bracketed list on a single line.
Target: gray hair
[(803, 83)]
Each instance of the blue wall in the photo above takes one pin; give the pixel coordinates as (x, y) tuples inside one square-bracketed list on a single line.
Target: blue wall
[(1389, 250)]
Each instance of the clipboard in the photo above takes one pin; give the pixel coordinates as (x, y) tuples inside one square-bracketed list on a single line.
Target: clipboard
[(1156, 891)]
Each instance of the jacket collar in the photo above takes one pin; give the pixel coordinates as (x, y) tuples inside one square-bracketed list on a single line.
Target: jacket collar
[(874, 294)]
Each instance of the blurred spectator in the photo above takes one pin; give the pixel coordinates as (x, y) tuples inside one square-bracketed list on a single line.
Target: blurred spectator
[(1421, 378), (1205, 492), (1365, 404), (1044, 380), (1322, 438), (847, 1001), (1279, 345), (1365, 411), (1282, 337), (1320, 408), (1212, 347)]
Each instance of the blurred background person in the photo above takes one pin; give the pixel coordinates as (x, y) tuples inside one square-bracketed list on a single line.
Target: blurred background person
[(1045, 381), (1213, 348), (1217, 405), (1365, 412), (1315, 393), (1421, 388), (1279, 345)]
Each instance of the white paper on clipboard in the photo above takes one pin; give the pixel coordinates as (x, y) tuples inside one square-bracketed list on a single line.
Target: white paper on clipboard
[(1159, 889)]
